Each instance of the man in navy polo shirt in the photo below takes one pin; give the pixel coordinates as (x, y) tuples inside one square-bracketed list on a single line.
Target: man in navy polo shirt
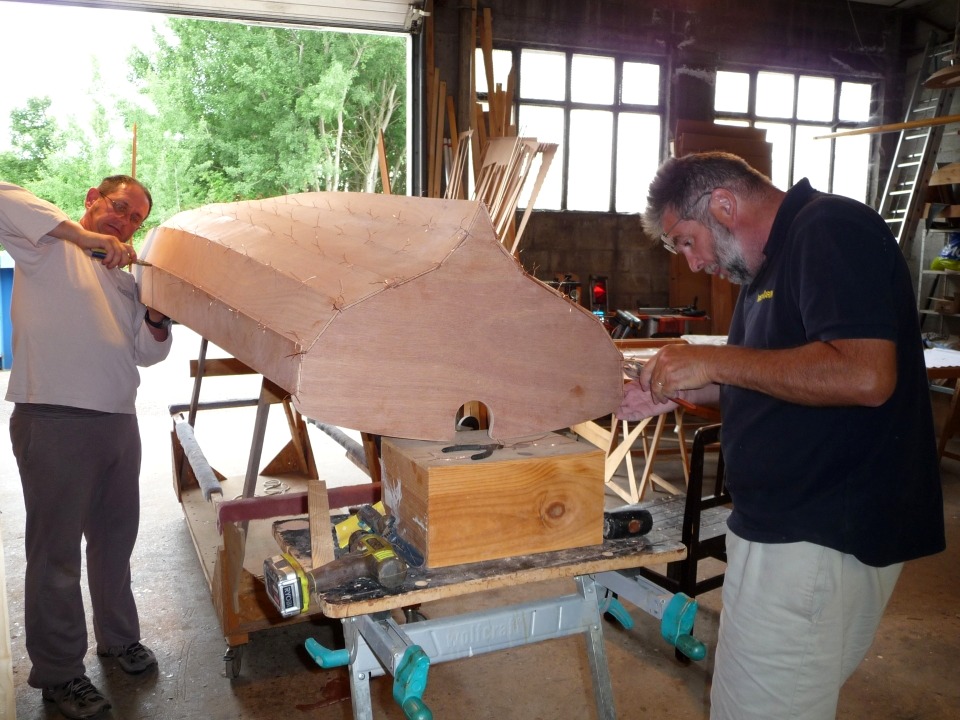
[(827, 430)]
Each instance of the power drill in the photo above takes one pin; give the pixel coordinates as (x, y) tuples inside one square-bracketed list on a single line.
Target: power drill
[(289, 585)]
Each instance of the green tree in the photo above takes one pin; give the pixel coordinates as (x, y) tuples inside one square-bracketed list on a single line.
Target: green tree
[(34, 138), (245, 112)]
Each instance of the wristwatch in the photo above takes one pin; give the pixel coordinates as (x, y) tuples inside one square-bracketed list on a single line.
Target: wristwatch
[(162, 325)]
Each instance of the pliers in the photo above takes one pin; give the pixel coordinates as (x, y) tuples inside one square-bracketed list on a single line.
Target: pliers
[(485, 450)]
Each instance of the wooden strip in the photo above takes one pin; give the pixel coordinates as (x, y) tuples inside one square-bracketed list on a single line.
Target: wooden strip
[(271, 506), (438, 138), (384, 168), (486, 48), (547, 152), (509, 127), (318, 510), (479, 139), (930, 122), (432, 132), (221, 366)]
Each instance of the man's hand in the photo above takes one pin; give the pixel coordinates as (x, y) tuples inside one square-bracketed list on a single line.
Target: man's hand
[(675, 368), (115, 253)]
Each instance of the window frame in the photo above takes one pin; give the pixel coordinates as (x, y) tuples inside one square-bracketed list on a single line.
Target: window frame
[(616, 107), (751, 118)]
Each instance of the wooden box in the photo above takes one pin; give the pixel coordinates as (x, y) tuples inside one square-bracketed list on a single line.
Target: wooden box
[(535, 494)]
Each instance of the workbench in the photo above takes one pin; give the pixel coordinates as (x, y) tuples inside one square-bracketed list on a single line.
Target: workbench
[(376, 644)]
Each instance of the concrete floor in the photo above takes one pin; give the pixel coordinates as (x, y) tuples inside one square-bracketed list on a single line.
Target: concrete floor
[(911, 672)]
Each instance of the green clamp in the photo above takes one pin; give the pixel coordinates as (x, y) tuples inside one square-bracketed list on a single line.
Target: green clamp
[(612, 606), (677, 625), (326, 658), (410, 682)]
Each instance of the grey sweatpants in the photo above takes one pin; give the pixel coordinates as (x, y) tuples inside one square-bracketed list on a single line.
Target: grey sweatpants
[(80, 477)]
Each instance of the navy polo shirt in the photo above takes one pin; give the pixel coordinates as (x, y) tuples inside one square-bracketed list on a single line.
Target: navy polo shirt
[(864, 481)]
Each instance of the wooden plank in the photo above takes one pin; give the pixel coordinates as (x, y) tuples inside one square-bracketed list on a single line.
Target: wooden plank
[(433, 101), (321, 542), (438, 139), (947, 175), (384, 168), (213, 367), (892, 127), (704, 127), (424, 584)]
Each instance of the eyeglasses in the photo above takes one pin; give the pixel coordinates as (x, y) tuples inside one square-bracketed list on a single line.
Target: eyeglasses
[(669, 244), (123, 210)]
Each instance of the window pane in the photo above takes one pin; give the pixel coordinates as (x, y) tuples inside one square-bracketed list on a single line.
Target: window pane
[(775, 94), (543, 75), (638, 156), (502, 64), (733, 92), (812, 157), (588, 176), (851, 166), (591, 79), (641, 84), (779, 135), (546, 125), (815, 98), (855, 101)]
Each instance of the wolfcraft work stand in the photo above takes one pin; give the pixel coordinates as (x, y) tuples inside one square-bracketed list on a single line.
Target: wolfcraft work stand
[(376, 644)]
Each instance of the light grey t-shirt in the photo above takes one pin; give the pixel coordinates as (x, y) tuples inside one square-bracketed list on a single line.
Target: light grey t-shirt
[(78, 330)]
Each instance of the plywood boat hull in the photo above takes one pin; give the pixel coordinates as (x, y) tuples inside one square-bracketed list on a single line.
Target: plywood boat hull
[(383, 313)]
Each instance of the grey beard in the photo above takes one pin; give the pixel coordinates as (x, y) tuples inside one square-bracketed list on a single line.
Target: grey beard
[(729, 256)]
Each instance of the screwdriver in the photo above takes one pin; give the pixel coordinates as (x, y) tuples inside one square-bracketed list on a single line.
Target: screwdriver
[(101, 254)]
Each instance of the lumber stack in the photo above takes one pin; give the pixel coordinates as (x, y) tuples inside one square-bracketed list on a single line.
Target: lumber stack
[(501, 162)]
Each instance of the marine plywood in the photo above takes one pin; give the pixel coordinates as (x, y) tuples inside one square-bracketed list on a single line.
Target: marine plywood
[(383, 313)]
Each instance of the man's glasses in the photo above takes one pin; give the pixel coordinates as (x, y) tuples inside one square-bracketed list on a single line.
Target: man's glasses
[(123, 210), (668, 243)]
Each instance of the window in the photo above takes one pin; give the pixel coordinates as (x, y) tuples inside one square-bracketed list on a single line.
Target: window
[(604, 113), (795, 109)]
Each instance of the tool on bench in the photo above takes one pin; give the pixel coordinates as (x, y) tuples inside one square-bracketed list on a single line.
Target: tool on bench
[(485, 450), (99, 254), (626, 522), (385, 526), (289, 585)]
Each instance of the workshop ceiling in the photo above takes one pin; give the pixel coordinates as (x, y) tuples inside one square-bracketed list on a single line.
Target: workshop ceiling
[(896, 4), (379, 15)]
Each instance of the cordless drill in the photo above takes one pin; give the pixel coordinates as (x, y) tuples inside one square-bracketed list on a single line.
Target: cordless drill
[(289, 585)]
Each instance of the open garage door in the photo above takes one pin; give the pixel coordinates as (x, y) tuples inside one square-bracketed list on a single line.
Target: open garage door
[(378, 15)]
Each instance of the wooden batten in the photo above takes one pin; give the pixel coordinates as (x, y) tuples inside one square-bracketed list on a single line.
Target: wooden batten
[(384, 313)]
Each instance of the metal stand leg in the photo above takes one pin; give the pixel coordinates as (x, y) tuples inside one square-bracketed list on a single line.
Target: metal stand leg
[(596, 650), (359, 676), (376, 645)]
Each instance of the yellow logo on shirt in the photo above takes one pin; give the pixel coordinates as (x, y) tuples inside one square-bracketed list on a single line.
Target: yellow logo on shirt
[(765, 295)]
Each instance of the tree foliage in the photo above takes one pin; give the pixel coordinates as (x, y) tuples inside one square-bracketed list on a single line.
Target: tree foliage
[(246, 112), (230, 112), (34, 137)]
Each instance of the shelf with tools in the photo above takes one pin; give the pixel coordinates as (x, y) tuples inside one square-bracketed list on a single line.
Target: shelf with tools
[(938, 290)]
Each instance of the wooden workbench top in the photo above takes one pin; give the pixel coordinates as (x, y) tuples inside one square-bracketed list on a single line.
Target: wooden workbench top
[(425, 585)]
